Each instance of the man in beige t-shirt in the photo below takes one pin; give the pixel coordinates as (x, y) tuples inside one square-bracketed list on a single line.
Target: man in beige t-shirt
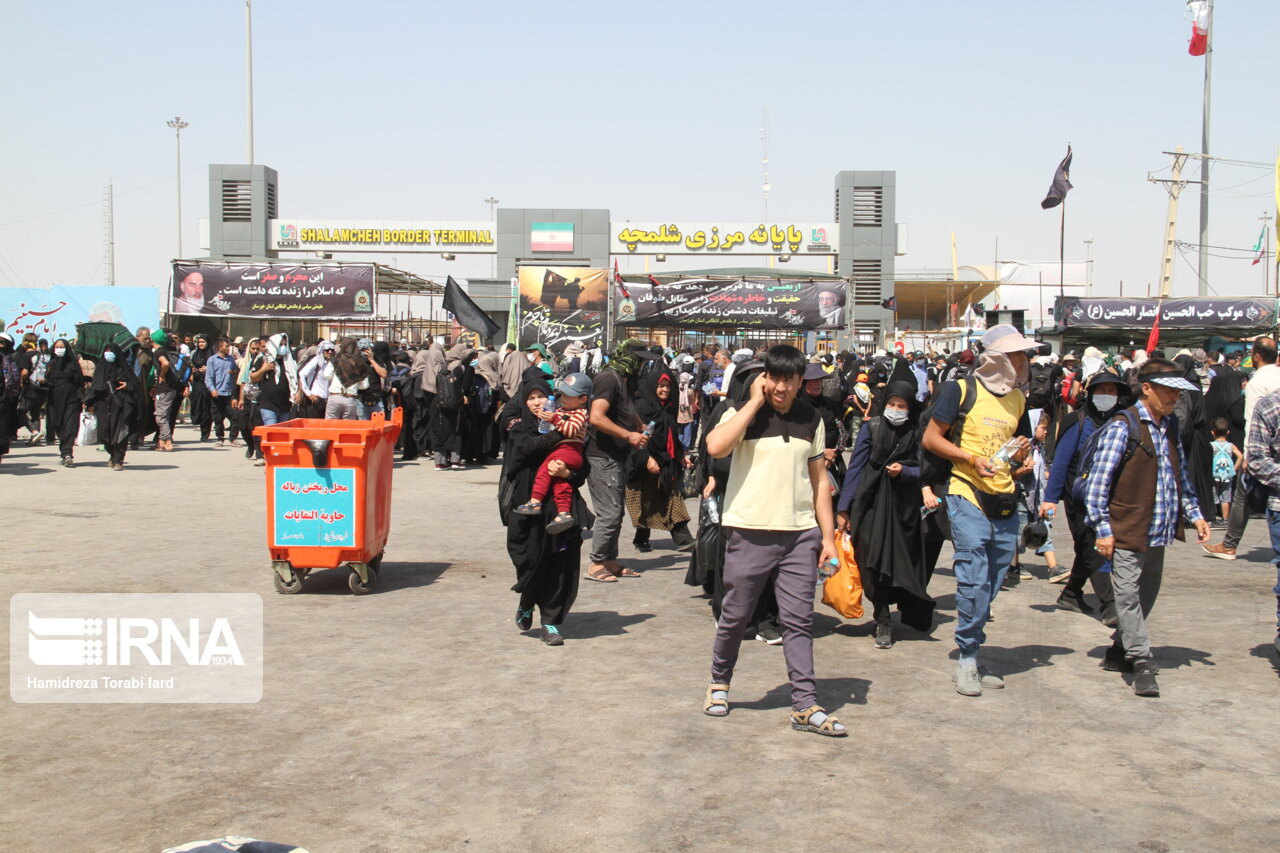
[(778, 524)]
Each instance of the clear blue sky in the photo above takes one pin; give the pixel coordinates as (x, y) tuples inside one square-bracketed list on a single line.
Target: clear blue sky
[(652, 110)]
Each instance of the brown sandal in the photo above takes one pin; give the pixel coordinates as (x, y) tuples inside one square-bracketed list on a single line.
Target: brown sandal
[(716, 707), (830, 726), (601, 576)]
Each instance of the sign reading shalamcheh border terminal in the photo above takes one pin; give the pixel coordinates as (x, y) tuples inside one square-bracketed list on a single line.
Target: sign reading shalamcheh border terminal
[(382, 235), (135, 648)]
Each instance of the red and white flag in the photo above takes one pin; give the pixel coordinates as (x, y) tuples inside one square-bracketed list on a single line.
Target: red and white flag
[(1199, 10)]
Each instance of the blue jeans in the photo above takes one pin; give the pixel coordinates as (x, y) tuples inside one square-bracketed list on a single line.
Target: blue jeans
[(269, 417), (364, 411), (686, 434), (984, 549), (1273, 525)]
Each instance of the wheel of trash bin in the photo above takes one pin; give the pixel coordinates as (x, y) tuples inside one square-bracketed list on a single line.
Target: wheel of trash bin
[(359, 587), (289, 587)]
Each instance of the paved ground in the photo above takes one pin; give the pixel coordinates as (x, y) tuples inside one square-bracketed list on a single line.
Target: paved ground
[(420, 719)]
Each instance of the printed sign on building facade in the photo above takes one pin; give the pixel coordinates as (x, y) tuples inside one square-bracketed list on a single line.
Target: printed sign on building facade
[(273, 290), (562, 304)]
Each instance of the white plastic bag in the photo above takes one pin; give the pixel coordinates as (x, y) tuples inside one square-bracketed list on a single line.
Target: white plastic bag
[(87, 436)]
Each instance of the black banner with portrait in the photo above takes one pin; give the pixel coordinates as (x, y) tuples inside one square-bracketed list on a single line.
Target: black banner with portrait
[(732, 304), (273, 290)]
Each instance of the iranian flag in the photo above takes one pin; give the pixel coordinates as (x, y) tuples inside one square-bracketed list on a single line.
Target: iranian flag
[(1199, 27), (1258, 247), (551, 237)]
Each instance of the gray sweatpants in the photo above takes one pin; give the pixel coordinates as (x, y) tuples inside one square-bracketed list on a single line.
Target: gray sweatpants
[(1135, 577), (1238, 519), (608, 495), (751, 558), (164, 408)]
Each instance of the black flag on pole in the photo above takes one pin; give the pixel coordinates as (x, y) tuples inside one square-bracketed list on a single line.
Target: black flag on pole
[(466, 312), (1058, 189)]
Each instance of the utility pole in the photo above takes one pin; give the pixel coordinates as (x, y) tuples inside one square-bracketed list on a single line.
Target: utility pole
[(178, 126), (493, 203), (109, 232), (764, 138), (1174, 186), (1204, 163), (248, 59), (1088, 267), (1266, 248)]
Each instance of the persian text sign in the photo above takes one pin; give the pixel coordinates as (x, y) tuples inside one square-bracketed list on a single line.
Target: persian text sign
[(382, 235), (315, 507), (1107, 313), (273, 290), (131, 647), (724, 238), (559, 305), (733, 303), (53, 312)]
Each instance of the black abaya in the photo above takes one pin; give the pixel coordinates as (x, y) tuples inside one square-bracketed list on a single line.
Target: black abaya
[(66, 391), (547, 565), (116, 396)]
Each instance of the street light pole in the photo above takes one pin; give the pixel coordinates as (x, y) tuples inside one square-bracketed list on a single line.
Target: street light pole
[(248, 60), (493, 204), (178, 126)]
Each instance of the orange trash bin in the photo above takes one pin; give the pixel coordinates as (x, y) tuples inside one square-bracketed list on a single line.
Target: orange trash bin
[(328, 497)]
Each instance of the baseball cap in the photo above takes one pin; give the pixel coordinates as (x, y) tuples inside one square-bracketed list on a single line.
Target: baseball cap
[(1169, 379), (540, 349), (1005, 338), (814, 371), (575, 385)]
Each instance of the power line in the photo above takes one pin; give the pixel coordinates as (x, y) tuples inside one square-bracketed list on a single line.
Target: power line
[(96, 201)]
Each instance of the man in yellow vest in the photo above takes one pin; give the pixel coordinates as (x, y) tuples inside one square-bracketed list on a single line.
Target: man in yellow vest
[(981, 428)]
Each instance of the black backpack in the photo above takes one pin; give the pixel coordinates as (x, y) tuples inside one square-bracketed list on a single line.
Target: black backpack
[(934, 469), (1080, 482), (1043, 386), (831, 388), (449, 389)]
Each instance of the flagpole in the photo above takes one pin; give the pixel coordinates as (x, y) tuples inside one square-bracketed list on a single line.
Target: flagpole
[(1204, 159), (1062, 242)]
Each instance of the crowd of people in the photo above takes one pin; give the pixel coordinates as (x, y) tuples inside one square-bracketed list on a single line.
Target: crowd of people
[(900, 453), (785, 453)]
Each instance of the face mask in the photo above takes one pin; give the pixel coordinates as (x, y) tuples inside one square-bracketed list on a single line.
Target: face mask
[(109, 356), (60, 351), (897, 417), (473, 362), (529, 356), (1105, 402)]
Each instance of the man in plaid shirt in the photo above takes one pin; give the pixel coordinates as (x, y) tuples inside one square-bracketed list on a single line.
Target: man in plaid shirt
[(1263, 454), (1135, 509)]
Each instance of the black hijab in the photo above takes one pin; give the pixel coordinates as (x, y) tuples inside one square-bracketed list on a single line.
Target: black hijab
[(65, 369), (110, 373), (890, 443), (200, 357), (663, 446), (1224, 390)]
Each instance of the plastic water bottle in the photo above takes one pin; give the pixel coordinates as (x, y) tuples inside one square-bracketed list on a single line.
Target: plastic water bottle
[(1004, 456), (545, 427), (827, 570), (648, 429)]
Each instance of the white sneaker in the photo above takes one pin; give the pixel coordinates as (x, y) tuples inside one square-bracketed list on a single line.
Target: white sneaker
[(989, 680), (967, 681)]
